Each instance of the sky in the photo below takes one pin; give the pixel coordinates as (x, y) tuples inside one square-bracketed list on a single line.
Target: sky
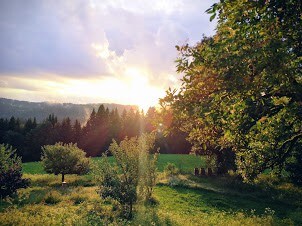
[(96, 51)]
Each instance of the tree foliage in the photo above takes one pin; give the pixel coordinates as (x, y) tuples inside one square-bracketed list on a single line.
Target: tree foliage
[(10, 172), (133, 175), (242, 88), (64, 159)]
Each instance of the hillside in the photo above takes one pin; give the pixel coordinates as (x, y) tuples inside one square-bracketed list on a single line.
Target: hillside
[(40, 110)]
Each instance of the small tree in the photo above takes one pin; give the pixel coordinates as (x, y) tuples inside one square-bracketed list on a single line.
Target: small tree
[(10, 172), (147, 169), (64, 159), (133, 175)]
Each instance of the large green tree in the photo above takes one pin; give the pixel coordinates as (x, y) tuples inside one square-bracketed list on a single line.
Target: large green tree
[(242, 88)]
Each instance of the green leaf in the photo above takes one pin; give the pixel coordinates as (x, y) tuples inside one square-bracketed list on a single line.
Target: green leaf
[(213, 17)]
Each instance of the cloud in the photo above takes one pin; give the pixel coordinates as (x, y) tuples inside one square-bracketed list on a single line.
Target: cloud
[(42, 36), (96, 41)]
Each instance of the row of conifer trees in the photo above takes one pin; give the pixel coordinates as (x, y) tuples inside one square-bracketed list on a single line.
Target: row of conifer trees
[(94, 136)]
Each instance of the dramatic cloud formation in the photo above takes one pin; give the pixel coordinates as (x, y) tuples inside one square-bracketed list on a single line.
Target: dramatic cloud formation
[(95, 51)]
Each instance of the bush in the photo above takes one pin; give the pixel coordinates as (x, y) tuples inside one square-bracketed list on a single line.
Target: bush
[(10, 172), (134, 174), (64, 159), (171, 170)]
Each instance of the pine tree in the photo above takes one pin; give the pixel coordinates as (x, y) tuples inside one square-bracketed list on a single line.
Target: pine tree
[(77, 131), (66, 135), (28, 126), (12, 123)]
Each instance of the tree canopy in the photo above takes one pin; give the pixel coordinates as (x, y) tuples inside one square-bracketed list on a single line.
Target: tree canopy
[(242, 88)]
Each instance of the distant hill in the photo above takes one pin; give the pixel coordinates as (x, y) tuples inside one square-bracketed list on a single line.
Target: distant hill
[(41, 110)]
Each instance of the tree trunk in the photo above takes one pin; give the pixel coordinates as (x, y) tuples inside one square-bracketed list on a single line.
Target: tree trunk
[(63, 177)]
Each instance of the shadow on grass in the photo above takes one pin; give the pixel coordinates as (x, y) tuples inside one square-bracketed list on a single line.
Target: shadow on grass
[(35, 196), (189, 199), (43, 180), (78, 182), (284, 193)]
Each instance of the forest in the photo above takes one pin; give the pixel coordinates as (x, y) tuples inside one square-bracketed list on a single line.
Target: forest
[(95, 136)]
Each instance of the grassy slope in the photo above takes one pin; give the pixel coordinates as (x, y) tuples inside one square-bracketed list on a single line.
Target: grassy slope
[(195, 201)]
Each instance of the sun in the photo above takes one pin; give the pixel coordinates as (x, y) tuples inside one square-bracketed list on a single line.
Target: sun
[(144, 101), (141, 92), (132, 88)]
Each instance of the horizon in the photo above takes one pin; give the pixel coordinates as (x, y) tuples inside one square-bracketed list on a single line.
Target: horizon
[(96, 52), (52, 102)]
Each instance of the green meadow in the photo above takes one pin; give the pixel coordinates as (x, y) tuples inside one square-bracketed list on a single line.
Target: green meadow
[(185, 163), (182, 200)]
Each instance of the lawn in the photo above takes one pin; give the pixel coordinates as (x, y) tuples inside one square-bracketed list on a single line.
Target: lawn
[(182, 200)]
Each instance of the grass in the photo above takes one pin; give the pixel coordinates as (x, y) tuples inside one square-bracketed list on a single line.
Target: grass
[(185, 163), (187, 206), (190, 201), (33, 168), (194, 201)]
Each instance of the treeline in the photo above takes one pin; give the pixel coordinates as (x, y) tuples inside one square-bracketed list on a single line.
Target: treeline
[(94, 137)]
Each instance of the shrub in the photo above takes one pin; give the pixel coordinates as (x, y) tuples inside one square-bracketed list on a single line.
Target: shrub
[(171, 170), (171, 173), (10, 172), (134, 174), (64, 159)]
